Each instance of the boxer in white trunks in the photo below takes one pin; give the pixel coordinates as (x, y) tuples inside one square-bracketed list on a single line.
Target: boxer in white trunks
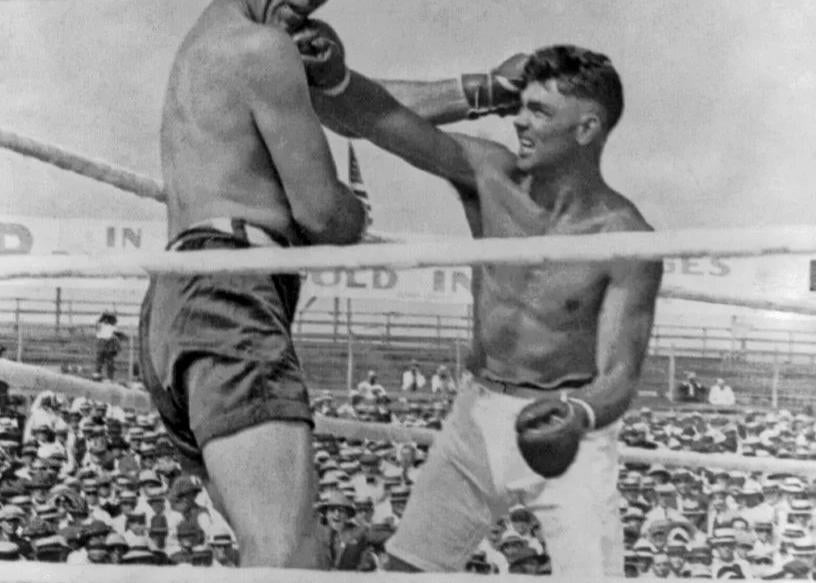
[(558, 348)]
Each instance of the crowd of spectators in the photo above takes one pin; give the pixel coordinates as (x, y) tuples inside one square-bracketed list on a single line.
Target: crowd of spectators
[(84, 482), (705, 522)]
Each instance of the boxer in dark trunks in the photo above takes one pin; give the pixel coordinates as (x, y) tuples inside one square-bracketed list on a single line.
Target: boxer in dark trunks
[(557, 348), (245, 163)]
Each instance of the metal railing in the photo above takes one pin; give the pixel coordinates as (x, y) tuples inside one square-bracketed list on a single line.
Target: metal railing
[(31, 319)]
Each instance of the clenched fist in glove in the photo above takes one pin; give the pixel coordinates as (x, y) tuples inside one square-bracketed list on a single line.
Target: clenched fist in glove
[(324, 57), (548, 434), (498, 91)]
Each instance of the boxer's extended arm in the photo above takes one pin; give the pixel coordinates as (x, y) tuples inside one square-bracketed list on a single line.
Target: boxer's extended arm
[(624, 328), (326, 210), (472, 95), (444, 101), (365, 109), (439, 102)]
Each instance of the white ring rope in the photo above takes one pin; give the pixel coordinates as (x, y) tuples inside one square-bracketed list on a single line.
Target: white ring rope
[(62, 573), (32, 377), (98, 170), (789, 306), (101, 171), (515, 251)]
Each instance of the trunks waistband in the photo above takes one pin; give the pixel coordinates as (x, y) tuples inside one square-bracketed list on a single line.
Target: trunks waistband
[(566, 385), (239, 229)]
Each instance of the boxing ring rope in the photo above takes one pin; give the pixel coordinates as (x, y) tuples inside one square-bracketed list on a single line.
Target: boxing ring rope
[(101, 171), (40, 379), (126, 180), (789, 306), (511, 250), (61, 573)]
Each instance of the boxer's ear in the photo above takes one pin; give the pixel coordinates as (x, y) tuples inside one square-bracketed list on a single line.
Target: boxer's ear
[(590, 128)]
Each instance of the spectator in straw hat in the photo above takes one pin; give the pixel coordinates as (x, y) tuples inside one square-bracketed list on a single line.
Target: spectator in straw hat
[(754, 508), (9, 551), (719, 514), (11, 518), (117, 547), (726, 563), (223, 546), (666, 508), (342, 541), (525, 523), (479, 565), (135, 527), (530, 562), (183, 501), (140, 554)]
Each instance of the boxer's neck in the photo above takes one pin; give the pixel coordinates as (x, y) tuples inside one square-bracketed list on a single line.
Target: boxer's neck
[(567, 189)]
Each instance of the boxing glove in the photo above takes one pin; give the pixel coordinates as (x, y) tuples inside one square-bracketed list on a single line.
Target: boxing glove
[(324, 57), (498, 91), (548, 433)]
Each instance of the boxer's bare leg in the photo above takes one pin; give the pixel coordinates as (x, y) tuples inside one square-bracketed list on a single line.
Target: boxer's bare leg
[(264, 480)]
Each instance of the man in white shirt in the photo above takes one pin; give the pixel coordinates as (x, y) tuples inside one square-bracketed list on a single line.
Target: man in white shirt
[(728, 397), (412, 379), (442, 381), (108, 345), (721, 394), (371, 388)]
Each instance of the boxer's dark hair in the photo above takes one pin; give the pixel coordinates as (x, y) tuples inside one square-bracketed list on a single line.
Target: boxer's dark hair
[(581, 73)]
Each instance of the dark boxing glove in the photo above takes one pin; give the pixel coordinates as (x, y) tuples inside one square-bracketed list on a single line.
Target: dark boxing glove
[(324, 57), (498, 91), (548, 433)]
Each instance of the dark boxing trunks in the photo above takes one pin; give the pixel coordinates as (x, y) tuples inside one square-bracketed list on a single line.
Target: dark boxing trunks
[(232, 334)]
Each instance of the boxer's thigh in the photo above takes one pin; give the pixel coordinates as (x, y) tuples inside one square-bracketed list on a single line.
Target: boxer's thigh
[(578, 512), (449, 511)]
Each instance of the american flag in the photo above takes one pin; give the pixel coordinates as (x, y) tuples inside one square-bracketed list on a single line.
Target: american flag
[(355, 178)]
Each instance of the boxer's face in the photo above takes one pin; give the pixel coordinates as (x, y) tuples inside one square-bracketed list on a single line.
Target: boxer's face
[(551, 127), (290, 14)]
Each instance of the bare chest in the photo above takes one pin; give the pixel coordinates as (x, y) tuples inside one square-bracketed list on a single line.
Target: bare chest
[(554, 291)]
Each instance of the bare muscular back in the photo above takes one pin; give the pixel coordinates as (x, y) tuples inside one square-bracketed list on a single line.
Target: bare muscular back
[(538, 325), (214, 158)]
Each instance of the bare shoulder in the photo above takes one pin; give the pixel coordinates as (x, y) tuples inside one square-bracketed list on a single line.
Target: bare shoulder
[(254, 55), (621, 214), (483, 152)]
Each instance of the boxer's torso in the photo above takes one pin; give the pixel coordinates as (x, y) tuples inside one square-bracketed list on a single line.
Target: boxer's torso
[(538, 325), (214, 162)]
